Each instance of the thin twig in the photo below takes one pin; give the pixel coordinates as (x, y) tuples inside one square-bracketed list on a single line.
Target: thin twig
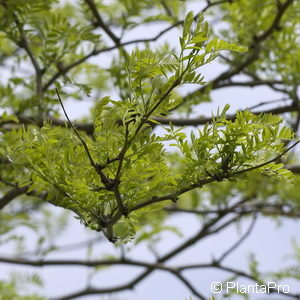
[(76, 132), (107, 182), (254, 53), (239, 242), (67, 68), (268, 102), (269, 161)]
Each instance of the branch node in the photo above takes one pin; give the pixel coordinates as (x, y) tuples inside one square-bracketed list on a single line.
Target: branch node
[(175, 199)]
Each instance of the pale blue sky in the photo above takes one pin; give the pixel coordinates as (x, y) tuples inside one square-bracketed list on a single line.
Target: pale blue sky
[(270, 242)]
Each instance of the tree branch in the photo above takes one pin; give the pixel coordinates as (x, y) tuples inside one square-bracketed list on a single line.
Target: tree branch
[(276, 22), (11, 195), (98, 168), (23, 43), (240, 241), (205, 120), (83, 263), (95, 52), (203, 182), (204, 231), (236, 273), (254, 54), (91, 4)]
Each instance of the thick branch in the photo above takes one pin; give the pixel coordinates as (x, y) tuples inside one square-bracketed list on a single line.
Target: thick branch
[(88, 128), (91, 4), (204, 231), (23, 43), (205, 120), (11, 195), (83, 263), (282, 7), (265, 209)]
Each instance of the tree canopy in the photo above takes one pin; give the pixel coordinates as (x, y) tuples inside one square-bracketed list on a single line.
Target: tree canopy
[(146, 150)]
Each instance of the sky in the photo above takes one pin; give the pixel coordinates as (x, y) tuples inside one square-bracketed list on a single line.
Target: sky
[(270, 241)]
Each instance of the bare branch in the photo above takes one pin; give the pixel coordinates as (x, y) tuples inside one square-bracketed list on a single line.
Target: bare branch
[(205, 120), (204, 231), (76, 132), (64, 248), (237, 273), (83, 263), (189, 285), (239, 242), (89, 127), (265, 209), (91, 4)]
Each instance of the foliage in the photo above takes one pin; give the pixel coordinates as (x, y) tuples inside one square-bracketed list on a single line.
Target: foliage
[(123, 168), (10, 290)]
